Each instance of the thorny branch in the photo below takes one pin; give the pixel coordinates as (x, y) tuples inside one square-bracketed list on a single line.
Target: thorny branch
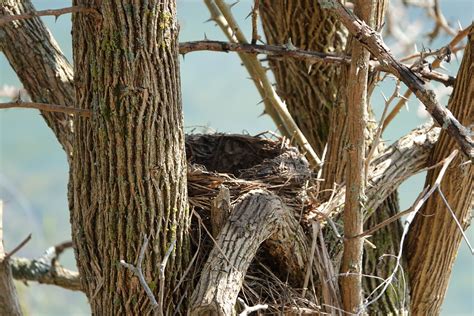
[(374, 43), (55, 12), (418, 204)]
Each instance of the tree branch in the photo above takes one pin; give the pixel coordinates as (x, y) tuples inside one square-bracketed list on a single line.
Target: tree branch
[(44, 273), (40, 65), (374, 43), (46, 108), (55, 12), (270, 50)]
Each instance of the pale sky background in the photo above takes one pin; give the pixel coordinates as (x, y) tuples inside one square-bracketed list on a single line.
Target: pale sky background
[(216, 94)]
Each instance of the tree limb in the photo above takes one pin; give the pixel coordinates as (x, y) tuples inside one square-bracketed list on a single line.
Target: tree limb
[(46, 108), (43, 272), (55, 12)]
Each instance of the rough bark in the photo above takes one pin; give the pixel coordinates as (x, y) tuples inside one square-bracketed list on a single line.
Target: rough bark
[(42, 68), (356, 98), (8, 298), (308, 90), (434, 237), (258, 217), (128, 175)]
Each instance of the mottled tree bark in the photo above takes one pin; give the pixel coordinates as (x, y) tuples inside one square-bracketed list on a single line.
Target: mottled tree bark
[(434, 238), (128, 175)]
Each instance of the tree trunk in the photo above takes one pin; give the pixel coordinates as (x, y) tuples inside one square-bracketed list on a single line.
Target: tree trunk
[(434, 237), (128, 175)]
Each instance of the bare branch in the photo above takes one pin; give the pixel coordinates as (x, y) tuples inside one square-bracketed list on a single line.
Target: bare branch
[(43, 272), (356, 98), (374, 43), (137, 270), (255, 12), (271, 50), (17, 248), (46, 107), (55, 12), (162, 276)]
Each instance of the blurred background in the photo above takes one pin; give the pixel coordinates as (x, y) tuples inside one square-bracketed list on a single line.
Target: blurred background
[(217, 96)]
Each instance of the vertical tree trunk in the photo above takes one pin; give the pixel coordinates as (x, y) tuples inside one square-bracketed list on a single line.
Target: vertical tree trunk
[(434, 238), (128, 176)]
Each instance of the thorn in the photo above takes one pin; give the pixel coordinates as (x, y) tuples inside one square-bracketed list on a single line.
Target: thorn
[(460, 26), (249, 15), (262, 114), (183, 56), (261, 103), (310, 68), (209, 20), (232, 4), (205, 37), (384, 97)]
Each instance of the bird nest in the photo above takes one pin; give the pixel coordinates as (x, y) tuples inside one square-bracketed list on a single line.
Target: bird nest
[(243, 163)]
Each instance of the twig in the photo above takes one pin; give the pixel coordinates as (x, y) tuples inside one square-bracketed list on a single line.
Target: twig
[(384, 285), (137, 270), (374, 43), (54, 12), (46, 107), (250, 309), (17, 248), (396, 109), (309, 269), (162, 276), (255, 12), (378, 133), (440, 21), (455, 219)]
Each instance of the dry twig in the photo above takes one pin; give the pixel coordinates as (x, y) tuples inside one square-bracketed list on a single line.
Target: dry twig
[(137, 270), (46, 107), (55, 12)]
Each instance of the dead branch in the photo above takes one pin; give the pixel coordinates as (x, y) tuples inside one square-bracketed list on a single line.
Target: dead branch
[(52, 81), (38, 270), (356, 98), (258, 216), (137, 270), (374, 43), (46, 107), (419, 203), (54, 12), (270, 50)]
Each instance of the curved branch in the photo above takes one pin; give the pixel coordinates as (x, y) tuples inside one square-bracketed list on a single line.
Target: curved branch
[(39, 63), (259, 216)]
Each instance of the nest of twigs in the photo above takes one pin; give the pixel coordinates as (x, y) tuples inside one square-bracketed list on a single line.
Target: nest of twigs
[(242, 163)]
